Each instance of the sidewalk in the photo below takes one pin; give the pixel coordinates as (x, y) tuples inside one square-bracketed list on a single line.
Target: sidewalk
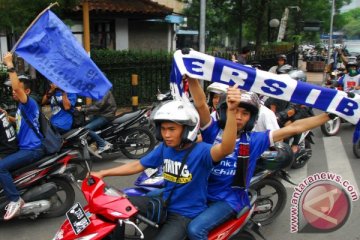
[(312, 77)]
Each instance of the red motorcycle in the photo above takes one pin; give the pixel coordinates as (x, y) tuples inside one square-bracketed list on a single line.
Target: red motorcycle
[(109, 212), (45, 185)]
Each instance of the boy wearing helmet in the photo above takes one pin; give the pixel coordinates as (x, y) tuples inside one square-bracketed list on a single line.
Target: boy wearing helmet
[(223, 200), (177, 124), (215, 90), (30, 145), (281, 67), (351, 80)]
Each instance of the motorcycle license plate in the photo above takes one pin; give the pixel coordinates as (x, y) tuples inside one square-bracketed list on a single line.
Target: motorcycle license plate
[(77, 218)]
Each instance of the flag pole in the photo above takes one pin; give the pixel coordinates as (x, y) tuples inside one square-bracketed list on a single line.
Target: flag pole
[(32, 23)]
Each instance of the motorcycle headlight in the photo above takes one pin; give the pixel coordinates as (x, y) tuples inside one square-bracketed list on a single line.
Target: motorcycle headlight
[(110, 191)]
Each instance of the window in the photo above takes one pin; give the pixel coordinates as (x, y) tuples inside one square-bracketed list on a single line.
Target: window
[(102, 35)]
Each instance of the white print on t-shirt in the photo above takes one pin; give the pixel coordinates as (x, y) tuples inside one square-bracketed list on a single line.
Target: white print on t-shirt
[(10, 132)]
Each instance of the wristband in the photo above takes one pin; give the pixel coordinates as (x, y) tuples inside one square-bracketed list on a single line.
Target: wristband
[(332, 116)]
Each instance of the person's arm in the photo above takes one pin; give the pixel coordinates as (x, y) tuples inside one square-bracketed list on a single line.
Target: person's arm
[(47, 96), (15, 83), (300, 126), (221, 150), (199, 98), (123, 170), (65, 101)]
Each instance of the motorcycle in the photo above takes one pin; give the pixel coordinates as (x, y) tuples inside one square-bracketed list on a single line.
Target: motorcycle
[(109, 213), (271, 193), (127, 135), (305, 150), (45, 185)]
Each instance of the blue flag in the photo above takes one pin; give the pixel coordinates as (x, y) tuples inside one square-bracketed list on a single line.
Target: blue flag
[(51, 48)]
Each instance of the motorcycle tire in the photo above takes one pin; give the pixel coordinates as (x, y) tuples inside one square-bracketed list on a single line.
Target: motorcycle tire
[(331, 127), (137, 136), (356, 149), (62, 201), (279, 190), (301, 161), (243, 235)]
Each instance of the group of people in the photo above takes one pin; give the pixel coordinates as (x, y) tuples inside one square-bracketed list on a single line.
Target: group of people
[(20, 145), (208, 189), (201, 194)]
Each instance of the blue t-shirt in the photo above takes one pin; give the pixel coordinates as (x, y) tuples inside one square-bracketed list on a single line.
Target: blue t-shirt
[(189, 196), (61, 118), (27, 138), (222, 175)]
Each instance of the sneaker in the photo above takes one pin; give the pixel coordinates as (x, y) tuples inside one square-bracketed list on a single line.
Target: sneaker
[(13, 208), (104, 148)]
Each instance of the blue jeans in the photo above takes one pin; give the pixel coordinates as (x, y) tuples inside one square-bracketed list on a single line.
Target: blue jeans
[(12, 162), (96, 123), (216, 214)]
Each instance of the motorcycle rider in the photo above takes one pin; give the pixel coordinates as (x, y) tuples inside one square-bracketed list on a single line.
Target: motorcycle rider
[(351, 80), (62, 104), (215, 90), (103, 111), (281, 65), (177, 124), (30, 146), (224, 201)]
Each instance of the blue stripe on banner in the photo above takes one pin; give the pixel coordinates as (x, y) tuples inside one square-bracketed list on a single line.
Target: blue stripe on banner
[(205, 67), (51, 48)]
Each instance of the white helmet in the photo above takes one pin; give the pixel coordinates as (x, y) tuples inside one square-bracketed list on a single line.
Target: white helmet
[(218, 88), (181, 113)]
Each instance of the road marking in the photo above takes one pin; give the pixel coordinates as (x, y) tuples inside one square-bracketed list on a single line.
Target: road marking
[(337, 160)]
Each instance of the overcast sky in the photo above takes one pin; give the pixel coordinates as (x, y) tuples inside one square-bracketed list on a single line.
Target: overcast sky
[(353, 4)]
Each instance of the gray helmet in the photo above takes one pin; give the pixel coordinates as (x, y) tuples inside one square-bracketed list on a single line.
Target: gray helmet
[(282, 56), (249, 100), (298, 75)]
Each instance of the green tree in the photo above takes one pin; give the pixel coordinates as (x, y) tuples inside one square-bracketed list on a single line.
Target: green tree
[(349, 22), (16, 15), (223, 18)]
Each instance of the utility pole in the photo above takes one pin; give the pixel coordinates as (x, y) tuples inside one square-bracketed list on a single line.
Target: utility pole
[(202, 26), (331, 30)]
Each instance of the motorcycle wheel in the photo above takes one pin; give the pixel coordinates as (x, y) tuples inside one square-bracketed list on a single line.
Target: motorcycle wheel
[(139, 141), (270, 191), (331, 127), (300, 161), (63, 199), (356, 149), (243, 235)]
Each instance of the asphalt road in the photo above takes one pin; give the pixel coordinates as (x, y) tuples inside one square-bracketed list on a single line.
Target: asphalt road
[(330, 154)]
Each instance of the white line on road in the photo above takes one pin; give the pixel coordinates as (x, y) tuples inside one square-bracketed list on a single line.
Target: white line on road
[(337, 160)]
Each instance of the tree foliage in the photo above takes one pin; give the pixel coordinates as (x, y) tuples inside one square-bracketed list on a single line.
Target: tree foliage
[(225, 18), (16, 15), (349, 22)]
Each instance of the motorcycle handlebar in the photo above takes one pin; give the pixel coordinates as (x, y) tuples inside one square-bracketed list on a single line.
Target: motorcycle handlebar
[(147, 221)]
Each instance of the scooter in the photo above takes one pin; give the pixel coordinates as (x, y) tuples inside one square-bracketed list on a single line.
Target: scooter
[(271, 193), (127, 135), (45, 185)]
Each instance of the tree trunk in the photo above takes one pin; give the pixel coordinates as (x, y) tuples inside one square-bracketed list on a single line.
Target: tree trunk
[(261, 12)]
